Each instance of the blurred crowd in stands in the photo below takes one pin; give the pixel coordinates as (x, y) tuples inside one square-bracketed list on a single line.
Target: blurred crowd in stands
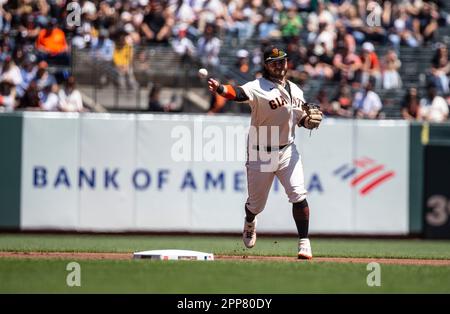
[(328, 40)]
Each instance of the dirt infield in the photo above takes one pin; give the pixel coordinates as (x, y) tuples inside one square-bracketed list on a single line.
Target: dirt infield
[(129, 256)]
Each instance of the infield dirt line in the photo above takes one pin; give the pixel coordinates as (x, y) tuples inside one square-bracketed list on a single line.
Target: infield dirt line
[(129, 256)]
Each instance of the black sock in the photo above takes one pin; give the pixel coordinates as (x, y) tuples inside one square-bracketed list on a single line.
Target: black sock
[(300, 211), (249, 216), (302, 228)]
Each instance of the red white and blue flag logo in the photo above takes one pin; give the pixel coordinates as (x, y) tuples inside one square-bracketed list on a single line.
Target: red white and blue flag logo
[(364, 174)]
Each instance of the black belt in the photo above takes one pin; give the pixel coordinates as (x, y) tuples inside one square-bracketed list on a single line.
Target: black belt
[(269, 149)]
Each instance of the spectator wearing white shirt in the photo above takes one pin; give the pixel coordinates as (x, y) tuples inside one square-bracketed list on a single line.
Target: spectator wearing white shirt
[(208, 47), (70, 99), (102, 47), (210, 11), (433, 108), (323, 15), (183, 11), (10, 73), (49, 98), (323, 39), (28, 71), (367, 104), (391, 65), (182, 45), (43, 77)]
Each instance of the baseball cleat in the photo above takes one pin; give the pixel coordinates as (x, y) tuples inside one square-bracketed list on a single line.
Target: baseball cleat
[(304, 249), (249, 234)]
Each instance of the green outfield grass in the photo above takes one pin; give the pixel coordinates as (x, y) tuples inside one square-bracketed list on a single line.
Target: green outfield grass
[(143, 276), (49, 276), (227, 245)]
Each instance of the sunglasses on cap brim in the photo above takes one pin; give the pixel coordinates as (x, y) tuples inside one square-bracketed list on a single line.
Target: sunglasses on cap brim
[(275, 60), (276, 55)]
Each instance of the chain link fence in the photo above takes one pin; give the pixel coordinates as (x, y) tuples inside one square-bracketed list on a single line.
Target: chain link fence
[(99, 79)]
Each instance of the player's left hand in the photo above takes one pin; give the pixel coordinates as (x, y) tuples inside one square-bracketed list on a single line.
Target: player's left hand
[(314, 116)]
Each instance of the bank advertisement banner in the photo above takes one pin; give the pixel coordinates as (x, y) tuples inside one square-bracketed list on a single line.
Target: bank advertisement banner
[(126, 172), (50, 170), (107, 163)]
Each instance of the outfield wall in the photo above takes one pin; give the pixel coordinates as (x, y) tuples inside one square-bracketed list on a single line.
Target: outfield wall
[(121, 172)]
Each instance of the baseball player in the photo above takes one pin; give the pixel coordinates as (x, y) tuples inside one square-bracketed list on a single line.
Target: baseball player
[(277, 106)]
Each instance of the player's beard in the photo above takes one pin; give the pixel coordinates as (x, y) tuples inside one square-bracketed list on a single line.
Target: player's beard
[(277, 74), (283, 73)]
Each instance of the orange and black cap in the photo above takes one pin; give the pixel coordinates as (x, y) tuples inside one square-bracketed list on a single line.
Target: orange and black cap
[(273, 53)]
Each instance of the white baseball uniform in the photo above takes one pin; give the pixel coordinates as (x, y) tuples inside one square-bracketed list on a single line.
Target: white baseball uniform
[(275, 113)]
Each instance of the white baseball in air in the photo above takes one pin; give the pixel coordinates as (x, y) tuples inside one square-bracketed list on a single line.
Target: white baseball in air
[(203, 73)]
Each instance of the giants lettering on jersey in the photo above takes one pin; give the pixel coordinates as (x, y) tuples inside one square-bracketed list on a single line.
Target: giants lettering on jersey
[(297, 102), (277, 102), (280, 101)]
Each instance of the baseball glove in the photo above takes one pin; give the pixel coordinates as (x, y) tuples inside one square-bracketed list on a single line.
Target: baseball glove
[(313, 115)]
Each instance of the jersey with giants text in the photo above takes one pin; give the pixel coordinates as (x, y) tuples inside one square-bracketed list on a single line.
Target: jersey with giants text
[(273, 105)]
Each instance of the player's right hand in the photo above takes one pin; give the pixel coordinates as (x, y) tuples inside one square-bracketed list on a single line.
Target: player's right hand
[(213, 85)]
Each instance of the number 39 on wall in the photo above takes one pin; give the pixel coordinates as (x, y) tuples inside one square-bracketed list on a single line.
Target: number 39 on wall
[(440, 209)]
